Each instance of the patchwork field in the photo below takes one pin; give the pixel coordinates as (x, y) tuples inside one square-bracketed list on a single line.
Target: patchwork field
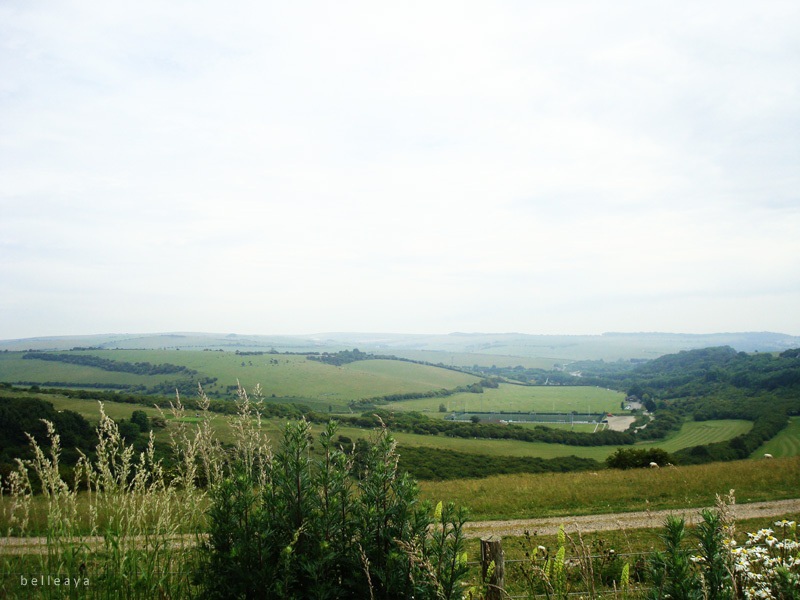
[(284, 376), (689, 434), (692, 433)]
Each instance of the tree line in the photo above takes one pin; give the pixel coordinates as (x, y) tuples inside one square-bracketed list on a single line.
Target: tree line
[(117, 366)]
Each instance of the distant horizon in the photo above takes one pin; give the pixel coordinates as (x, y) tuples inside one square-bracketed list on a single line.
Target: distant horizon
[(393, 333)]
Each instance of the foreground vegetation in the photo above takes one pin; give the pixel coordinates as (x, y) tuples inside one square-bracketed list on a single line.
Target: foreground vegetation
[(253, 520), (528, 496)]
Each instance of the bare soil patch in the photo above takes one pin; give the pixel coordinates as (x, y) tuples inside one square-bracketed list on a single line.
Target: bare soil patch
[(620, 423)]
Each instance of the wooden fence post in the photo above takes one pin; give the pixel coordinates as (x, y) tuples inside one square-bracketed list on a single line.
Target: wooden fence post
[(492, 552)]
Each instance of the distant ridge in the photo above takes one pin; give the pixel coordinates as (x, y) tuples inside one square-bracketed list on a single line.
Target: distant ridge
[(432, 347)]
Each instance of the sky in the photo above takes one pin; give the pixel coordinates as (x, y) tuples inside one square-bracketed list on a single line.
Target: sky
[(412, 167)]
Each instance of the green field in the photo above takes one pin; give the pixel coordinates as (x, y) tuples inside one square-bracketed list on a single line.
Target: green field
[(691, 434), (285, 376), (520, 398), (786, 443), (695, 433), (14, 369)]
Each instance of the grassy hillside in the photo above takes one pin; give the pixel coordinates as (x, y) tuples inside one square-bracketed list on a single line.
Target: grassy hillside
[(695, 433), (562, 494), (284, 376)]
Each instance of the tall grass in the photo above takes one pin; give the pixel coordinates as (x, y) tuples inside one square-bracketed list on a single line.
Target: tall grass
[(124, 541)]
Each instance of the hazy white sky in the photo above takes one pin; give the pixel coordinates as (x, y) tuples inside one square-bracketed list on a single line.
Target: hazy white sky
[(436, 166)]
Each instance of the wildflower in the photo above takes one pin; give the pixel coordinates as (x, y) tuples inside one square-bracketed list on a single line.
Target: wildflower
[(784, 523)]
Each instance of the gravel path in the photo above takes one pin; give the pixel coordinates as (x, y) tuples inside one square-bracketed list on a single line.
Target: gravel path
[(629, 520), (511, 528)]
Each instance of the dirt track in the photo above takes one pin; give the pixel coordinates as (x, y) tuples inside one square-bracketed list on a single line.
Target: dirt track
[(630, 520), (511, 528)]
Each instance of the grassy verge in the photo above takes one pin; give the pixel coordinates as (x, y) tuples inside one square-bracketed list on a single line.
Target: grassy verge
[(543, 495)]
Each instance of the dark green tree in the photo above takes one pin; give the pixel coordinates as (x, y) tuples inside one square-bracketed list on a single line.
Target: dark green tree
[(140, 418)]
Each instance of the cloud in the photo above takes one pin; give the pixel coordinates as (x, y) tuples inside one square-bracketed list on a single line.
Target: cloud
[(429, 167)]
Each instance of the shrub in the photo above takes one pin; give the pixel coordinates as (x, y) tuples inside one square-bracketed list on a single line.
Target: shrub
[(292, 526), (636, 458)]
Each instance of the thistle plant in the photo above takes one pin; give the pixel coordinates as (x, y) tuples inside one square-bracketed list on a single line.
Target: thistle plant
[(444, 550), (713, 561), (624, 582)]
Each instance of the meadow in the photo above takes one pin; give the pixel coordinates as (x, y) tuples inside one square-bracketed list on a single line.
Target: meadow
[(528, 496)]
